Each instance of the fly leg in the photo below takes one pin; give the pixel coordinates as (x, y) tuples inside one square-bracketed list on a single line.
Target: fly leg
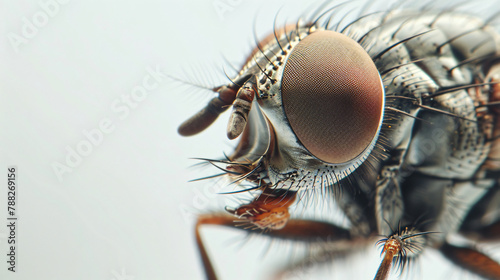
[(298, 230), (268, 215), (214, 219), (472, 260), (399, 249)]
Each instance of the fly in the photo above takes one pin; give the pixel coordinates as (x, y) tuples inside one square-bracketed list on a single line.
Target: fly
[(394, 116)]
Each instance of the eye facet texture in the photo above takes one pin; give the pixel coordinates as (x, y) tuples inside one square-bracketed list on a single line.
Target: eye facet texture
[(332, 96)]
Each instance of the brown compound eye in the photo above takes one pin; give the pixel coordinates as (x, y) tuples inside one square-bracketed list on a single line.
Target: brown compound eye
[(333, 96)]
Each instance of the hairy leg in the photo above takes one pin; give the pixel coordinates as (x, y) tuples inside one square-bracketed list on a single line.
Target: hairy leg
[(298, 230)]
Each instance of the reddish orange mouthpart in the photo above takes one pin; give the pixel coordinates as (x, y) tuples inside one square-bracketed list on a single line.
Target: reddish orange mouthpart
[(269, 210)]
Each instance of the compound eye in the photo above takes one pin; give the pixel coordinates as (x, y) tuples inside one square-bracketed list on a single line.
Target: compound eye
[(333, 96)]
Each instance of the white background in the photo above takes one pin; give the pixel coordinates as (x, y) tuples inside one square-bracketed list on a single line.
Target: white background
[(126, 209)]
